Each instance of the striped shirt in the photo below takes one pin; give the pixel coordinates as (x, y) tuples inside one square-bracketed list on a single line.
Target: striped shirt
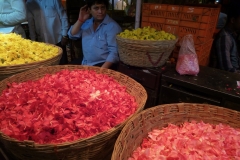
[(225, 51)]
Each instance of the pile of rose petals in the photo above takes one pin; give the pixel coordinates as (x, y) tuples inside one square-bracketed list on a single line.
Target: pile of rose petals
[(191, 141), (64, 107)]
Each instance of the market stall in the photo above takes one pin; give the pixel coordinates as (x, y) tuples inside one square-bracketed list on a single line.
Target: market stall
[(84, 112)]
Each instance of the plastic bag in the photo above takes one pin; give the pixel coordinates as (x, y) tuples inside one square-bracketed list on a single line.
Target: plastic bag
[(187, 63)]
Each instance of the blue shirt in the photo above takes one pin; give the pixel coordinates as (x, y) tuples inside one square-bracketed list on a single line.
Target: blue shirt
[(12, 14), (100, 45), (47, 20)]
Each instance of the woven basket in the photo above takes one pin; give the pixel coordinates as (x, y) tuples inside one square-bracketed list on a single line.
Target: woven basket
[(144, 53), (7, 71), (96, 147), (160, 116)]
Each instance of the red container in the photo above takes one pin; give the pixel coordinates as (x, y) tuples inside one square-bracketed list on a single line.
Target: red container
[(197, 39), (145, 6), (173, 15), (196, 32), (172, 22), (157, 26), (145, 12), (162, 7), (212, 17), (174, 8), (171, 29), (156, 20), (145, 24), (197, 25), (145, 18), (202, 50), (157, 13), (164, 14), (196, 10), (204, 62)]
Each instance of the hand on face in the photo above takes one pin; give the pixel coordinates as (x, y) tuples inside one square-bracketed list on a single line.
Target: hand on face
[(84, 13)]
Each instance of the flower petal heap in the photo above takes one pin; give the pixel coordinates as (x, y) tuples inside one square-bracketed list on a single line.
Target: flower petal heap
[(63, 107), (190, 141), (15, 50)]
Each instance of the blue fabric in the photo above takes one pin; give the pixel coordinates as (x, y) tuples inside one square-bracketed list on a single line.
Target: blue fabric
[(98, 46), (12, 14), (47, 20)]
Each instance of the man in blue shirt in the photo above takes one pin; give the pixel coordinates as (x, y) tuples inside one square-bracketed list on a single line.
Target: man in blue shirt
[(98, 34), (48, 22), (12, 14)]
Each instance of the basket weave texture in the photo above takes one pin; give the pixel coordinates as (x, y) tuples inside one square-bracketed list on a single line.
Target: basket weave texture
[(145, 53), (7, 71), (160, 116), (95, 147)]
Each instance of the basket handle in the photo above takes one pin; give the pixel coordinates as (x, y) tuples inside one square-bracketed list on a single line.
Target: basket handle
[(150, 59)]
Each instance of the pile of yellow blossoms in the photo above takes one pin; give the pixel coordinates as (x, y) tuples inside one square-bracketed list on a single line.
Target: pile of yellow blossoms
[(15, 50), (147, 33)]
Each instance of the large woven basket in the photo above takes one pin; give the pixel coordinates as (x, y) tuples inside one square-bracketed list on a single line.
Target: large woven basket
[(96, 147), (7, 71), (160, 116), (144, 53)]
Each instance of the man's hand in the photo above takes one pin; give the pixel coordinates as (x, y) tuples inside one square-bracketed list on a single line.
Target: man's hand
[(84, 14), (64, 41)]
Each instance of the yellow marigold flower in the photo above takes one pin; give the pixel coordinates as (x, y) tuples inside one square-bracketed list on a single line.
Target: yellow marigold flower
[(15, 50), (147, 33)]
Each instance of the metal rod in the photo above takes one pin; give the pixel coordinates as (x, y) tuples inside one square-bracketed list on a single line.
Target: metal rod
[(138, 14)]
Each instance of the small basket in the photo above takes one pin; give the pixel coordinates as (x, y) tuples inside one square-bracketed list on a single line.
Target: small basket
[(96, 147), (160, 116), (7, 71), (145, 53)]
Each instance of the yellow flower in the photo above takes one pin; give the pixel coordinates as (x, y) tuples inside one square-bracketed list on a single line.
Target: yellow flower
[(15, 50), (147, 33)]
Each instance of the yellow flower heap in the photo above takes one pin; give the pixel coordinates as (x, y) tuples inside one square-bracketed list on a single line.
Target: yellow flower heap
[(16, 50), (147, 33)]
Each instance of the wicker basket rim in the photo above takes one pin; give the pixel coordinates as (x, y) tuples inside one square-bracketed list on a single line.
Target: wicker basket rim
[(146, 112), (38, 62), (100, 135), (153, 41), (183, 104)]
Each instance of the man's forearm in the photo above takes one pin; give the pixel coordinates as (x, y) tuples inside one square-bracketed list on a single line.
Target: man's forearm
[(76, 27), (107, 65)]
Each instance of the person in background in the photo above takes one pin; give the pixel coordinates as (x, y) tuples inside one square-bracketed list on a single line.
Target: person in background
[(12, 14), (48, 23), (225, 54), (222, 18), (110, 5), (120, 5), (98, 35)]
